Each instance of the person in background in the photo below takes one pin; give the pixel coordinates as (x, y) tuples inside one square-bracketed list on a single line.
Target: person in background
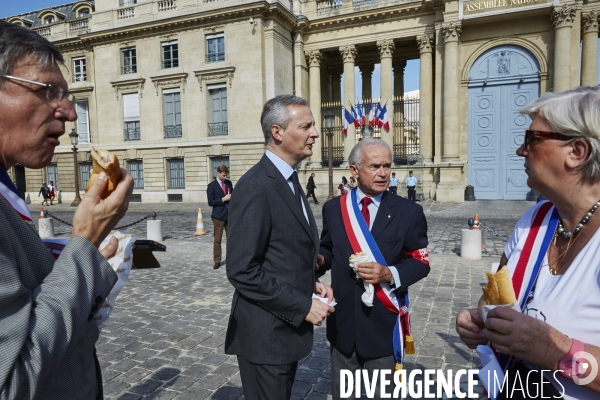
[(394, 183), (52, 192), (343, 187), (351, 183), (44, 191), (310, 188), (219, 193), (553, 256), (48, 330), (411, 186)]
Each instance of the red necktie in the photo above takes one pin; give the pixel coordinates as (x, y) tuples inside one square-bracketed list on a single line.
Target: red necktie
[(365, 209), (223, 187)]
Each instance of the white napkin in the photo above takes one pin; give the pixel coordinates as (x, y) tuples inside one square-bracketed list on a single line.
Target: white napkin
[(491, 369), (121, 263), (367, 296), (324, 300)]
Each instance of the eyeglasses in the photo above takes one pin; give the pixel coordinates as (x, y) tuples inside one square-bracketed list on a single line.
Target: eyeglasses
[(532, 136), (54, 93)]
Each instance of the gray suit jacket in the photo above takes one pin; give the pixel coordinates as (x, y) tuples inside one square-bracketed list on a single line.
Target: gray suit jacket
[(47, 331), (271, 253)]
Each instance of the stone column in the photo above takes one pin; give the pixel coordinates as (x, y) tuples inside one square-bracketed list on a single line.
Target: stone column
[(349, 55), (398, 132), (313, 59), (451, 33), (366, 72), (451, 187), (426, 97), (563, 18), (386, 51), (589, 51)]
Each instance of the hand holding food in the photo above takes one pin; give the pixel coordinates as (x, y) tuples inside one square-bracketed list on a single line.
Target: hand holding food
[(499, 290), (105, 161)]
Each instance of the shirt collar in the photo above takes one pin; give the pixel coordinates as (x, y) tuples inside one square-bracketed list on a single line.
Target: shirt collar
[(219, 181), (360, 195), (283, 167)]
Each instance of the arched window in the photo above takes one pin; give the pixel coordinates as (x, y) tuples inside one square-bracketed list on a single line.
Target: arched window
[(49, 20), (85, 12)]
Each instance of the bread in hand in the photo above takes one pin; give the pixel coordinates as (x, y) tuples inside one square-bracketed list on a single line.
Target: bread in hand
[(103, 160), (499, 290)]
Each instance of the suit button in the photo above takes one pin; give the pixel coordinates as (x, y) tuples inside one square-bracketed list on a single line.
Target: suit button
[(98, 299), (95, 308)]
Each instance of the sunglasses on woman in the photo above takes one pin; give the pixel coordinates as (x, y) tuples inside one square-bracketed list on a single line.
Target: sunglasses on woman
[(532, 136)]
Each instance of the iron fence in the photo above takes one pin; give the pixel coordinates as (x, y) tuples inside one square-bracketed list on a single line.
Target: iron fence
[(406, 131)]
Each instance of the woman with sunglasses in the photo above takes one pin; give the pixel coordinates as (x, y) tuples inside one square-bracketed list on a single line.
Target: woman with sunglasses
[(553, 257)]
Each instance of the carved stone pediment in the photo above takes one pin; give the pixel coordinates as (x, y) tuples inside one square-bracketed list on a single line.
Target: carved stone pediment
[(224, 74), (129, 85), (170, 80)]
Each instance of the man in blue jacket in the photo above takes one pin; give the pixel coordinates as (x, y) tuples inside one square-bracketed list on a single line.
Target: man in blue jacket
[(219, 193)]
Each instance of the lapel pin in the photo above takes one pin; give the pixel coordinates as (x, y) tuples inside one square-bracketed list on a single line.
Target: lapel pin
[(389, 216)]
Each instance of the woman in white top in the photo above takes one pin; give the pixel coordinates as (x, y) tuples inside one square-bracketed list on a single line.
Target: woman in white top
[(555, 249)]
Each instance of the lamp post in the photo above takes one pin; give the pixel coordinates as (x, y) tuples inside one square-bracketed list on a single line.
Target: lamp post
[(74, 136), (329, 116)]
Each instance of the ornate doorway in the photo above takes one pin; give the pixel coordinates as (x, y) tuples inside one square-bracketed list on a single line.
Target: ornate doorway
[(501, 81)]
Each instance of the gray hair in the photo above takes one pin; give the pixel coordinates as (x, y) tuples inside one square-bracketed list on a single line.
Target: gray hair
[(275, 112), (356, 156), (18, 44), (574, 113)]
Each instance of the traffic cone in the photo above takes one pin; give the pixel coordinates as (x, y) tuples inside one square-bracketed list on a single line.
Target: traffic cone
[(476, 226), (200, 225), (42, 214)]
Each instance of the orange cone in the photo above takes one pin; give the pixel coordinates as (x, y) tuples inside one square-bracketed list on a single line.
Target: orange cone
[(200, 225), (42, 214), (476, 226)]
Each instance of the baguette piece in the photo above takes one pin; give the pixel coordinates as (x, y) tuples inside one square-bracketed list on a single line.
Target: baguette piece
[(103, 160), (499, 290)]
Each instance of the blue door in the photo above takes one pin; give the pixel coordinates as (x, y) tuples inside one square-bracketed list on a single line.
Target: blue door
[(501, 81)]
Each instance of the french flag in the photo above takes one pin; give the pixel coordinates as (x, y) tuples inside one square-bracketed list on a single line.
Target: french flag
[(361, 114), (348, 119), (378, 122), (372, 116), (355, 116), (383, 119)]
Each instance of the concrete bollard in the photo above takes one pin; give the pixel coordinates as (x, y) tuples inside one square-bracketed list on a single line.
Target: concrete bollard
[(470, 244), (46, 226), (155, 230)]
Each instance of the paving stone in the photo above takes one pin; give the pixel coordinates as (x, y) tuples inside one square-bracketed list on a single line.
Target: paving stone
[(146, 386)]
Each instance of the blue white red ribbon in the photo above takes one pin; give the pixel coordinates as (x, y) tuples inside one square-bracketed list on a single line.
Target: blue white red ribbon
[(361, 240)]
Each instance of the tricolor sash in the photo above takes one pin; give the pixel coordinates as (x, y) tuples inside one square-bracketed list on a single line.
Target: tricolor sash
[(361, 240), (10, 193), (526, 259)]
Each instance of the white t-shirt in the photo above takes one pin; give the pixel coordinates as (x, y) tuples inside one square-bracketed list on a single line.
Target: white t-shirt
[(571, 302)]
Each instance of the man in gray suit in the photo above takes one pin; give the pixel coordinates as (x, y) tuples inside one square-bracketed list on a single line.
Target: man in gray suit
[(47, 307), (271, 256)]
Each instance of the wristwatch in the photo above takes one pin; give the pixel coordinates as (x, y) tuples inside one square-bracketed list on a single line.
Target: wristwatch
[(570, 367)]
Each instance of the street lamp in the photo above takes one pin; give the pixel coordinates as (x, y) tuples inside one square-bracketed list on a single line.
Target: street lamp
[(74, 136), (329, 116)]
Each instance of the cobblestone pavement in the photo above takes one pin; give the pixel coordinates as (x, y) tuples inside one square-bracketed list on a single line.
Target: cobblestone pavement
[(164, 340)]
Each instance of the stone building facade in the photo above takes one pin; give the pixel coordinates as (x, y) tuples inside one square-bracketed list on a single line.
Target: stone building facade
[(176, 87)]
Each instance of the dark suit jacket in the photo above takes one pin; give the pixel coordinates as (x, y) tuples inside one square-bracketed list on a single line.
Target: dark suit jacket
[(215, 195), (271, 255), (311, 184), (400, 226)]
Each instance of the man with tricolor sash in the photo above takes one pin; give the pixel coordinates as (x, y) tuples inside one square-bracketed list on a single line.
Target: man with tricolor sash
[(371, 327)]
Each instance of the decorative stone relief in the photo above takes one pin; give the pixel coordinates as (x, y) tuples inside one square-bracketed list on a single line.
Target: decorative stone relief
[(171, 80), (214, 29), (563, 16), (503, 63), (348, 53), (215, 74), (386, 48), (129, 85), (425, 43), (313, 58), (589, 22), (452, 31)]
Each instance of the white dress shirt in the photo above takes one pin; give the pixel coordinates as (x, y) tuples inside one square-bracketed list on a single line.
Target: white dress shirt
[(286, 171)]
